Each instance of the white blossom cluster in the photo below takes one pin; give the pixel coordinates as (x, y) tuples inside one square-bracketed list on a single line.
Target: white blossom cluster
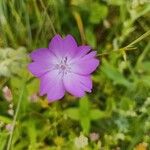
[(11, 60)]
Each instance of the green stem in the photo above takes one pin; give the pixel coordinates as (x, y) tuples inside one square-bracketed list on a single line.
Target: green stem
[(119, 50), (15, 118), (128, 47), (139, 39)]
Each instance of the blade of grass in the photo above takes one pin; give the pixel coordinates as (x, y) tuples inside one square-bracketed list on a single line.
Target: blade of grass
[(80, 25), (49, 18), (15, 117)]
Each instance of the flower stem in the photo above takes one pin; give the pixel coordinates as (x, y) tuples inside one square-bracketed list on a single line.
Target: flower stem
[(15, 117), (119, 50), (128, 47), (139, 39)]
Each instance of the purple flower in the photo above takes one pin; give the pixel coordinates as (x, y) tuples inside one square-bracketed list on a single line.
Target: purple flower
[(63, 66)]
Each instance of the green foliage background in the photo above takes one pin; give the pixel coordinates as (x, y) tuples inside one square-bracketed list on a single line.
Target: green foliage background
[(118, 108)]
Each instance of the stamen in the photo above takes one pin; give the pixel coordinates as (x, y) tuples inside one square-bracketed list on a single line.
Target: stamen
[(63, 67)]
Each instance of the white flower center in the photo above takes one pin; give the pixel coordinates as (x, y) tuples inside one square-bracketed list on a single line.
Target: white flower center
[(63, 66)]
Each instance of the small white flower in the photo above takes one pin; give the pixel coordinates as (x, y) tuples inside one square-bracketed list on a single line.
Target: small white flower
[(11, 112), (11, 106), (81, 141), (1, 124)]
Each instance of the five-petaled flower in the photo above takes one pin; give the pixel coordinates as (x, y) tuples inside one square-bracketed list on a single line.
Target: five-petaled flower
[(63, 66)]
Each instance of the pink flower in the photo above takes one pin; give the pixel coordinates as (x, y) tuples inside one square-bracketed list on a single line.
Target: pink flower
[(94, 136), (9, 127), (64, 66), (7, 94), (33, 98)]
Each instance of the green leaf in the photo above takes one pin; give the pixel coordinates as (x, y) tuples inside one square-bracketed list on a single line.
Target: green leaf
[(126, 103), (110, 105), (90, 37), (114, 74), (15, 82), (73, 113), (144, 67), (5, 119), (85, 124), (116, 2), (146, 80), (84, 106), (32, 133), (99, 13), (96, 114), (33, 86), (3, 140), (84, 103)]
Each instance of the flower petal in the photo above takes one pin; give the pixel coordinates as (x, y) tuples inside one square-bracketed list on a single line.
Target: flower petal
[(40, 68), (90, 55), (86, 64), (77, 84), (82, 50), (70, 46), (63, 47), (56, 46), (42, 54), (52, 85)]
